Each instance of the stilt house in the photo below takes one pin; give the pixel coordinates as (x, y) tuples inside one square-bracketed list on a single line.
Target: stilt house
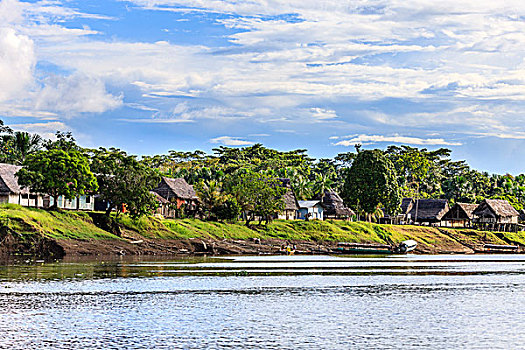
[(429, 211), (496, 214), (461, 215)]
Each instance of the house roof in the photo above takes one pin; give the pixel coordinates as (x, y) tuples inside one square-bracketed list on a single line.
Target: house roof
[(334, 205), (499, 207), (308, 204), (9, 181), (290, 201), (429, 209), (159, 198), (461, 211), (179, 188)]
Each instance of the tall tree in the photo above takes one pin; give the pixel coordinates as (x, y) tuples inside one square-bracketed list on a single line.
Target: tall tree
[(123, 180), (372, 182)]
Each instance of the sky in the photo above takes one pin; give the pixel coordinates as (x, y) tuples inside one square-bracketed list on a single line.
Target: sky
[(149, 76)]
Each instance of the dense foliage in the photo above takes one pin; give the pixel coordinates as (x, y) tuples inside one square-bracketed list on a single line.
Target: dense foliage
[(229, 180), (58, 172), (124, 182), (372, 183)]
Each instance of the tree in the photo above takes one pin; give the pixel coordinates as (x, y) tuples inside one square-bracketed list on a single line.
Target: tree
[(123, 180), (57, 172), (258, 195), (372, 182)]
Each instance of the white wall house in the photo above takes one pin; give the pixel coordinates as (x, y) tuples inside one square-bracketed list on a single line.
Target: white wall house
[(84, 202), (11, 192), (311, 210)]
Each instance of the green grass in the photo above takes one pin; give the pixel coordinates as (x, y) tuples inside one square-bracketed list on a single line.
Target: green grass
[(78, 225), (58, 225)]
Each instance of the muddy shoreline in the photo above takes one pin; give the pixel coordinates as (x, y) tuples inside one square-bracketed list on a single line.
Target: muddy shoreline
[(140, 246)]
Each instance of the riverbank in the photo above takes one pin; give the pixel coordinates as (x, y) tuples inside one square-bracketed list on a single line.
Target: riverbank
[(39, 233)]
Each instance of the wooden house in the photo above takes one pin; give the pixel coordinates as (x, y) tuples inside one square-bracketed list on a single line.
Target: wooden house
[(428, 211), (334, 207), (461, 215), (165, 208), (496, 214), (179, 193)]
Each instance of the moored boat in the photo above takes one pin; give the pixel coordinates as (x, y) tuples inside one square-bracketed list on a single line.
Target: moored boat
[(372, 248)]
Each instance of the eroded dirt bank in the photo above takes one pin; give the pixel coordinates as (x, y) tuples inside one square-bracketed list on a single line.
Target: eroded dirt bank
[(138, 245)]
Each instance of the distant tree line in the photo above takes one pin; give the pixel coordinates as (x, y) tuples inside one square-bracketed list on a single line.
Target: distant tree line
[(246, 181)]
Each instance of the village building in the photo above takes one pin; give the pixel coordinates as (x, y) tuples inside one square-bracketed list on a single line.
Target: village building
[(401, 218), (496, 215), (461, 215), (165, 208), (290, 202), (334, 207), (429, 212), (310, 210), (290, 206), (179, 193), (12, 192), (83, 202)]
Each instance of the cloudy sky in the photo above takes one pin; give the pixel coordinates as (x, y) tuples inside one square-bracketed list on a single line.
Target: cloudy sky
[(150, 76)]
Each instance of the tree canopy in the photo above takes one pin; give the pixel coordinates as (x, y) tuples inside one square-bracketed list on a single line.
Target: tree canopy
[(372, 182), (58, 172)]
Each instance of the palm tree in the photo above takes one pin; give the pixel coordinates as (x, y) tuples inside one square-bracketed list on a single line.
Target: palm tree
[(25, 144)]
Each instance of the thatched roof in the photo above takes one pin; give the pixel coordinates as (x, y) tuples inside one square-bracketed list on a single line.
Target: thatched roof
[(334, 205), (429, 209), (463, 211), (175, 188), (8, 180), (159, 198), (290, 201), (495, 208)]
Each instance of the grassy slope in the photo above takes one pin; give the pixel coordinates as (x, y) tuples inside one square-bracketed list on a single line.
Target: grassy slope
[(78, 225)]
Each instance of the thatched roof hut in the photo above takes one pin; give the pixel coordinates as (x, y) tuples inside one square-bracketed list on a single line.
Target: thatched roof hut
[(9, 181), (175, 188), (290, 201), (496, 210), (334, 206), (461, 211), (428, 210)]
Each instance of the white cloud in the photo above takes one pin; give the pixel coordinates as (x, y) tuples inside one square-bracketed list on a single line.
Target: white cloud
[(75, 94), (368, 139), (46, 130), (231, 141), (17, 61)]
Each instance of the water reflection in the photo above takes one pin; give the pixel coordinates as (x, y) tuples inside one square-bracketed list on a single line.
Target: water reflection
[(265, 303)]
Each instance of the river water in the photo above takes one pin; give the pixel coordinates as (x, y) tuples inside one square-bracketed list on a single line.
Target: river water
[(273, 302)]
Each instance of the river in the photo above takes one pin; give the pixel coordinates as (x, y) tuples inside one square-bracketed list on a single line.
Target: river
[(272, 302)]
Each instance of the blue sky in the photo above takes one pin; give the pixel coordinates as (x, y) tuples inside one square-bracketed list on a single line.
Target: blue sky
[(150, 76)]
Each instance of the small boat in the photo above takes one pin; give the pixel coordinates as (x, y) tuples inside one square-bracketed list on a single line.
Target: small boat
[(371, 248), (406, 246), (498, 249)]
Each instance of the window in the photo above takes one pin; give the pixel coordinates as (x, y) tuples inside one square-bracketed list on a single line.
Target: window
[(88, 199)]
